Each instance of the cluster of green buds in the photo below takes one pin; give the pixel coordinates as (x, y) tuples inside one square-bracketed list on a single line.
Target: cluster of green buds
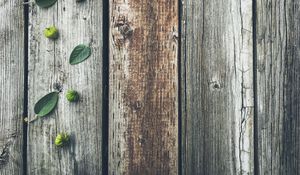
[(51, 32), (62, 139), (72, 95)]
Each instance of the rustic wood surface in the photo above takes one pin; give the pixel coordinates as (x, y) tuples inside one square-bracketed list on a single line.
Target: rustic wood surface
[(143, 135), (11, 87), (278, 72), (217, 87), (49, 69), (188, 94)]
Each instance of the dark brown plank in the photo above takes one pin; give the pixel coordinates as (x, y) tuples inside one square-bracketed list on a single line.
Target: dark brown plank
[(143, 87)]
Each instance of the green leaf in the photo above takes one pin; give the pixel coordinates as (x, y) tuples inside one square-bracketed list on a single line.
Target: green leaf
[(79, 54), (45, 3), (46, 104)]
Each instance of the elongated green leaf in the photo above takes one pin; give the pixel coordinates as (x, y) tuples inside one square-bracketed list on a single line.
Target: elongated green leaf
[(79, 54), (46, 104), (45, 3)]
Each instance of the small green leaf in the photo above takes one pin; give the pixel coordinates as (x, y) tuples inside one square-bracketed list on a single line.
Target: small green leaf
[(46, 104), (79, 54), (45, 3)]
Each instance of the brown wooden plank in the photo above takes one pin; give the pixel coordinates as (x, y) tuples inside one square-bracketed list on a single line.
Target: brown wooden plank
[(278, 82), (11, 86), (143, 87), (217, 87), (78, 23)]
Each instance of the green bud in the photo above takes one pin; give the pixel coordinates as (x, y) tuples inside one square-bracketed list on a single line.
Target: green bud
[(62, 139), (51, 32), (72, 96)]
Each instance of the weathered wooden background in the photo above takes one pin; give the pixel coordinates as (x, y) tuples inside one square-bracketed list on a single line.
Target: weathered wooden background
[(193, 87)]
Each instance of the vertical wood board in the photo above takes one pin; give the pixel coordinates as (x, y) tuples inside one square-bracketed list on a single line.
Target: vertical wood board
[(11, 87), (49, 70), (217, 87), (278, 80), (143, 113)]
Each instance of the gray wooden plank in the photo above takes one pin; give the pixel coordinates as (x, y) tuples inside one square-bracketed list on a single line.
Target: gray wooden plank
[(278, 68), (217, 87), (143, 113), (11, 86), (78, 23)]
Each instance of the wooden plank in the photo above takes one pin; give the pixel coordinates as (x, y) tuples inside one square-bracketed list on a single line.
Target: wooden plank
[(49, 68), (143, 87), (278, 68), (217, 87), (11, 87)]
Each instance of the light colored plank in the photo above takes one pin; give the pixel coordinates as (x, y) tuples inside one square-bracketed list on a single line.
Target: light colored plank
[(48, 66), (278, 70), (143, 135), (217, 87), (11, 86)]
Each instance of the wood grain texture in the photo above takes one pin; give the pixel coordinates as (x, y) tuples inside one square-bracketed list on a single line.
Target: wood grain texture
[(11, 86), (278, 68), (49, 69), (143, 135), (217, 87)]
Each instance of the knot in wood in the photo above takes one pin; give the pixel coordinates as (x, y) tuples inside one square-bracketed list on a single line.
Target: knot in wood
[(123, 26), (4, 155), (58, 86), (215, 85), (125, 30), (138, 105)]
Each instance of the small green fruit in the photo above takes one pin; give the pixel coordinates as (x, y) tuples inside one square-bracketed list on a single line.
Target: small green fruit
[(72, 96), (62, 139), (51, 32)]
